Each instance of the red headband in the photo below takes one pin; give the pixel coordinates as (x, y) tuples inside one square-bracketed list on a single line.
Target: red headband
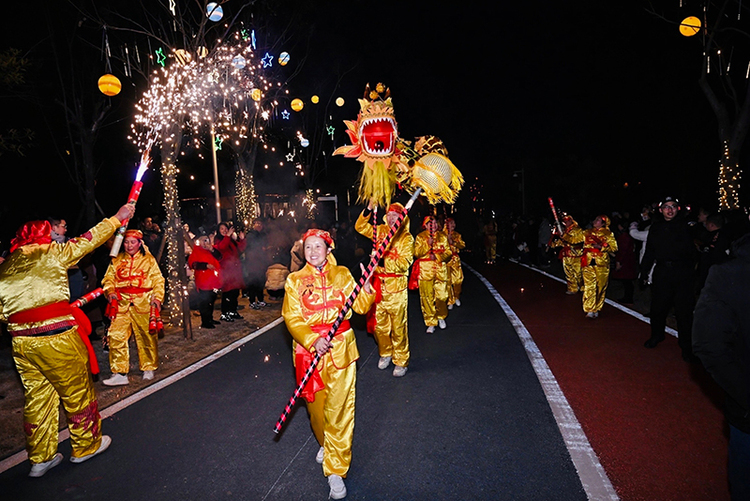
[(314, 232), (396, 207), (427, 220), (33, 232), (134, 233)]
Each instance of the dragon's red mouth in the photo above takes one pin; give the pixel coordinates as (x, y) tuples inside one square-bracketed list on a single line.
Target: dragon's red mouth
[(378, 136)]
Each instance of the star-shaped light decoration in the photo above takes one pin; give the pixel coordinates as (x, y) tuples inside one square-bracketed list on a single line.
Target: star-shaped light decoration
[(290, 157), (331, 130), (217, 143), (267, 60), (285, 114), (160, 57)]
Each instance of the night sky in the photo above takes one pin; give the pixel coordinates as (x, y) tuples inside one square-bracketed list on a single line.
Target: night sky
[(582, 98)]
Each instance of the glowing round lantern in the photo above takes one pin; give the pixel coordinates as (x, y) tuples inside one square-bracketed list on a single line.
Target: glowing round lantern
[(339, 101), (304, 142), (690, 26), (182, 56), (202, 52), (315, 99), (214, 12), (256, 94), (239, 62), (297, 104), (109, 85), (283, 58)]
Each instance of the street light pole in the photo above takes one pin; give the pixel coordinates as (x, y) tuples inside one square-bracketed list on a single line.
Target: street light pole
[(216, 176)]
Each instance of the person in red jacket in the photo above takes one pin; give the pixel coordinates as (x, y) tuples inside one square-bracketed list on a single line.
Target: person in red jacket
[(231, 245), (205, 261)]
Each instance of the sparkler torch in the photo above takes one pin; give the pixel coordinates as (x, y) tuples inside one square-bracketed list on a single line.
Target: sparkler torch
[(554, 213), (87, 298), (135, 192), (347, 306)]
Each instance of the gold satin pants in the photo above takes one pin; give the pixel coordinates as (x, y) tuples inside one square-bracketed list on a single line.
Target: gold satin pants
[(55, 368), (490, 247), (332, 416), (595, 281), (134, 321), (573, 273), (456, 277), (433, 295), (392, 331)]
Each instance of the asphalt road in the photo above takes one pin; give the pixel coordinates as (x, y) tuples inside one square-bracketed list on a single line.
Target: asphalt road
[(468, 421)]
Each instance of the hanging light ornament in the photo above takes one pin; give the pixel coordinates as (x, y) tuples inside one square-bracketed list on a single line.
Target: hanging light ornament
[(690, 26), (297, 104), (315, 99), (109, 85), (339, 101), (283, 58), (214, 12)]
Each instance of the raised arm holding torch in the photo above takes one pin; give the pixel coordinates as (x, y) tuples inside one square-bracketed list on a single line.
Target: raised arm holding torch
[(135, 192)]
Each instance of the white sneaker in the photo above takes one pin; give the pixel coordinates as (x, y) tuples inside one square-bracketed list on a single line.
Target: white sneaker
[(39, 469), (430, 329), (103, 447), (450, 306), (442, 324), (338, 489), (458, 302), (399, 371), (148, 375), (320, 455), (384, 362), (116, 380)]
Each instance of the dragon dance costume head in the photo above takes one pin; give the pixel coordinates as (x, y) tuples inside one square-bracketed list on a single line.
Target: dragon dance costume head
[(389, 160), (33, 232)]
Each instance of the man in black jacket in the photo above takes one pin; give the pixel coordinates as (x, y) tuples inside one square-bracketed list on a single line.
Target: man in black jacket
[(722, 342), (670, 245)]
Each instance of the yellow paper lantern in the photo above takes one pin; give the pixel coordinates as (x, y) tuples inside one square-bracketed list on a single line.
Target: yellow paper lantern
[(109, 85), (182, 56), (202, 52), (297, 104), (315, 99), (690, 26), (339, 101), (256, 94)]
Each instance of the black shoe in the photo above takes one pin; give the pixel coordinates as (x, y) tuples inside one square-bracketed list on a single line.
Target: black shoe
[(653, 341), (215, 322), (205, 326), (225, 317), (235, 315)]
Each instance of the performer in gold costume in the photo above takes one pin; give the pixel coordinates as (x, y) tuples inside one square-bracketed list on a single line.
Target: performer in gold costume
[(598, 243), (313, 298), (455, 272), (391, 281), (50, 340), (571, 250), (134, 282), (432, 251)]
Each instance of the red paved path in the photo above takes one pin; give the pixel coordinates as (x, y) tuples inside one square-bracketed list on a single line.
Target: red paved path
[(654, 421)]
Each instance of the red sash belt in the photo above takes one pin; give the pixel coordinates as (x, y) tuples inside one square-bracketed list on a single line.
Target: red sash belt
[(53, 310), (585, 259), (303, 359), (132, 290)]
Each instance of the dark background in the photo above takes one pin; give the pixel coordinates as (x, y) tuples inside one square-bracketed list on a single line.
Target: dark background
[(595, 104)]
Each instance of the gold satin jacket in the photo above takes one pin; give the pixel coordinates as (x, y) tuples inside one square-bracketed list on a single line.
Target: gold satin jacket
[(603, 237), (571, 242), (397, 258), (315, 297), (140, 270), (432, 270), (458, 245), (37, 274)]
